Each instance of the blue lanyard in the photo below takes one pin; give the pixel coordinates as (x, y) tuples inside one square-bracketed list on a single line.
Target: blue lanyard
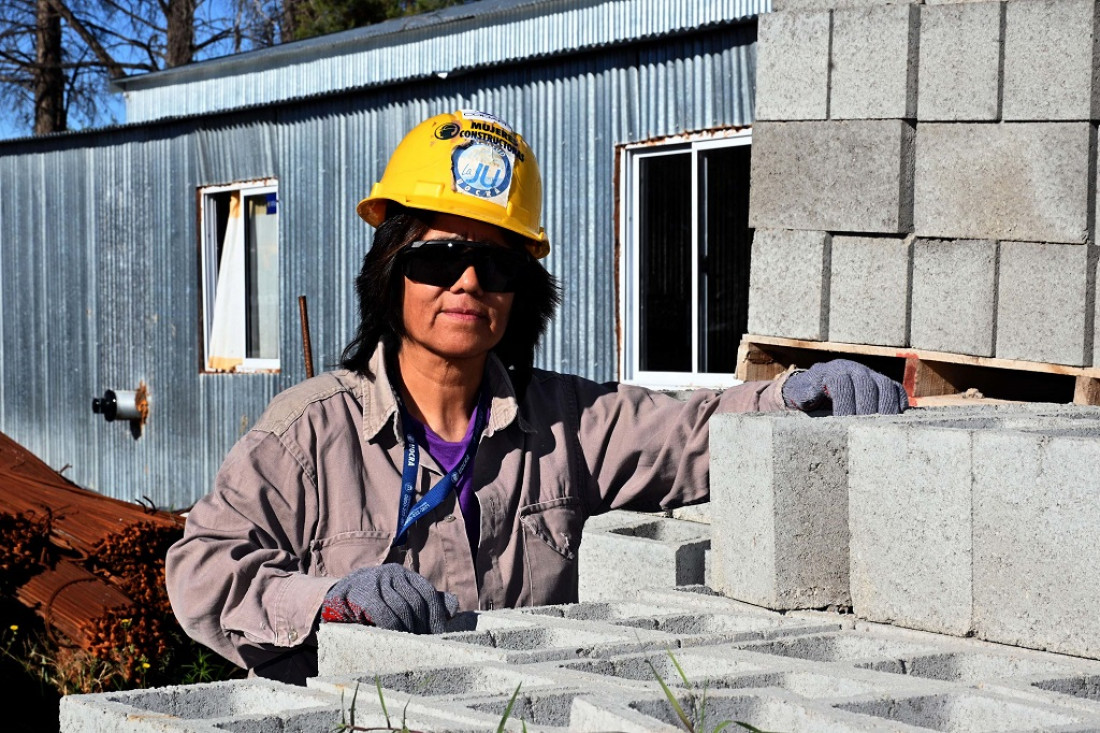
[(407, 512)]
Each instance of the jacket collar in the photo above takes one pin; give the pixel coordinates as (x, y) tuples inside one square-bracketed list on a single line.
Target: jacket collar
[(380, 406)]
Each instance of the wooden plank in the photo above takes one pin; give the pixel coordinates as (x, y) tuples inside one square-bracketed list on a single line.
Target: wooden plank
[(756, 364), (1086, 391), (934, 356)]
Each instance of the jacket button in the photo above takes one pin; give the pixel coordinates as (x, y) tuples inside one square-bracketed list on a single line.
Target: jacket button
[(292, 635)]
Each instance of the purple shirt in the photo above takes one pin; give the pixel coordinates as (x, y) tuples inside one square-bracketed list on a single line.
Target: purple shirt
[(448, 455)]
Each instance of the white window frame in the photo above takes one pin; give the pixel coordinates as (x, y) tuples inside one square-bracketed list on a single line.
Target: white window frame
[(629, 266), (208, 248)]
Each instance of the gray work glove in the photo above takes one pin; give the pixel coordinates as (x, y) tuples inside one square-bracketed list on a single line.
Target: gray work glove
[(852, 388), (391, 597)]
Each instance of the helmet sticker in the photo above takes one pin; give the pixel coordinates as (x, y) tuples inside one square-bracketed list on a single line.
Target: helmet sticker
[(484, 171), (473, 114), (447, 131)]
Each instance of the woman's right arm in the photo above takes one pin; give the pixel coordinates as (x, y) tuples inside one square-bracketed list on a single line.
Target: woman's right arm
[(237, 579)]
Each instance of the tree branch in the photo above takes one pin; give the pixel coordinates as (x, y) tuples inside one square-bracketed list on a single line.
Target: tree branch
[(114, 69)]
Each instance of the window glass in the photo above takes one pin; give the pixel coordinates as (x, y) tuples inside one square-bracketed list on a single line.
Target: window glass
[(724, 259), (685, 260), (664, 301), (240, 273)]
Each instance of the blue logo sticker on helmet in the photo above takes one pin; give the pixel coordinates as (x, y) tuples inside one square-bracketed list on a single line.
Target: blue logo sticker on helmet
[(481, 170)]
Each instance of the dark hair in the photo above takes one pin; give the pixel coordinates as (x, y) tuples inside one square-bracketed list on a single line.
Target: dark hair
[(381, 289)]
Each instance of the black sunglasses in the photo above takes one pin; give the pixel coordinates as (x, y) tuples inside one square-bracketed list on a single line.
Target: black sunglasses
[(440, 262)]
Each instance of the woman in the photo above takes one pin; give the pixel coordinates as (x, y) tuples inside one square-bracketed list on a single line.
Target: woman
[(439, 470)]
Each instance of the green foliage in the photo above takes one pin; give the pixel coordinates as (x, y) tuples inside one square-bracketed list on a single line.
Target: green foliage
[(347, 717), (693, 720), (309, 18)]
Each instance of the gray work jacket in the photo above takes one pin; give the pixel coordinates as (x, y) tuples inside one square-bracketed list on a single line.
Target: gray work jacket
[(311, 493)]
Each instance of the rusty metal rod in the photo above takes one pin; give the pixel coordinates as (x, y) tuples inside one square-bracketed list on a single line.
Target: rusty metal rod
[(307, 349)]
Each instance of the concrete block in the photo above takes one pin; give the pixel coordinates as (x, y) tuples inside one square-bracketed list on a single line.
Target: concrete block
[(789, 284), (1045, 302), (255, 704), (954, 296), (1020, 181), (779, 509), (1096, 321), (970, 710), (874, 63), (783, 5), (792, 66), (832, 176), (1035, 547), (960, 52), (909, 515), (1050, 60), (670, 550), (869, 292)]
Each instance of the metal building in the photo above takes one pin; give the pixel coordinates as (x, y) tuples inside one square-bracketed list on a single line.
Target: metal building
[(114, 243)]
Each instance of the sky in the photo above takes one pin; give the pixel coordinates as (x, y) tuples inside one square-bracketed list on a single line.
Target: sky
[(114, 102)]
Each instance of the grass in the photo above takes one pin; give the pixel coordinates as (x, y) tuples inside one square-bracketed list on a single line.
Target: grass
[(347, 722), (693, 720)]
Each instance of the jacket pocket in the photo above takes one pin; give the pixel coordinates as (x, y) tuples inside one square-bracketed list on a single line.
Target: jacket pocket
[(551, 539), (338, 555)]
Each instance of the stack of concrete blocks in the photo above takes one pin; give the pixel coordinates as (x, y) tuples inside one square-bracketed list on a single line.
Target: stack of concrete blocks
[(924, 176), (625, 553), (969, 522), (595, 667)]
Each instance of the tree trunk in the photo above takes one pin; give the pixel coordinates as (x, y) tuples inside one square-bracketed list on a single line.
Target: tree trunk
[(49, 79), (181, 32)]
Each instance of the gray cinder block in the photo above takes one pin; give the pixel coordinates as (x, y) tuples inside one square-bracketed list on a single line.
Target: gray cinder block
[(837, 176), (954, 292), (1035, 543), (909, 514), (1045, 302), (671, 551), (874, 63), (792, 66), (960, 51), (1020, 181), (789, 284), (869, 292), (779, 509), (1050, 60), (832, 4)]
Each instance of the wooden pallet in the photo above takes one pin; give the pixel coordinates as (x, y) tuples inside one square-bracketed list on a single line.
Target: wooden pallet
[(930, 377)]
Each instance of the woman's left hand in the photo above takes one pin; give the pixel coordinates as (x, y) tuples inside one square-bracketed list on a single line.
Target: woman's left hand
[(850, 387)]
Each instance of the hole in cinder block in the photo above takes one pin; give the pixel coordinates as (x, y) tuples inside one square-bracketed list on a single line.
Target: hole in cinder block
[(837, 648), (701, 672), (551, 709), (668, 531), (542, 638), (805, 684), (965, 667), (703, 624), (1087, 687), (480, 638), (958, 712), (217, 700), (766, 714), (592, 611), (453, 681), (309, 722)]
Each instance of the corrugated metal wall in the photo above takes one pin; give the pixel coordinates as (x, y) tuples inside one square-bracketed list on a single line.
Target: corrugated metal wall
[(99, 252), (488, 33)]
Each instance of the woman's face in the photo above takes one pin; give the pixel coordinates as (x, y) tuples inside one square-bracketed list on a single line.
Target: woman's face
[(462, 321)]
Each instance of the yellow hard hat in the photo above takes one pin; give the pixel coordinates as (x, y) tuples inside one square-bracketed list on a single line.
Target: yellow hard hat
[(467, 163)]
